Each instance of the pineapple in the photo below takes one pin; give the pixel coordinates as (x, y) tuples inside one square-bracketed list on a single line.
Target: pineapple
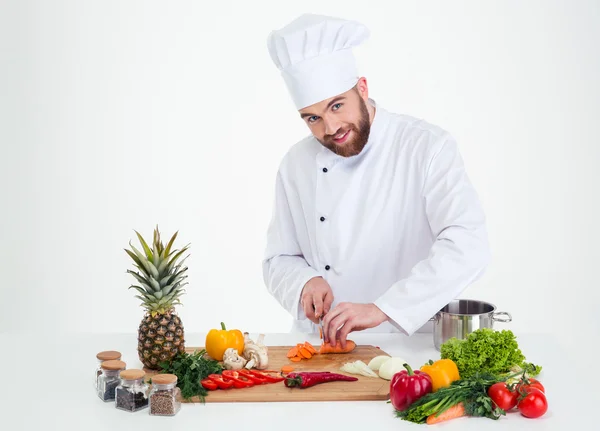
[(160, 284)]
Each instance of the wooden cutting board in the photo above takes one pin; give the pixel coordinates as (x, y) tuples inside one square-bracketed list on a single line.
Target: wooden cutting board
[(364, 389)]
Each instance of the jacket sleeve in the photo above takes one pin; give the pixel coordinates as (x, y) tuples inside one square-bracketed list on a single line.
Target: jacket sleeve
[(460, 252), (285, 270)]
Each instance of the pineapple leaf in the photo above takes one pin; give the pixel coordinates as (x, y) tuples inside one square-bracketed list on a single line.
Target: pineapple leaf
[(155, 285), (149, 267), (147, 295), (180, 264), (163, 264), (177, 255), (145, 245), (145, 273), (142, 280), (177, 276), (170, 244), (163, 281), (138, 262), (158, 295)]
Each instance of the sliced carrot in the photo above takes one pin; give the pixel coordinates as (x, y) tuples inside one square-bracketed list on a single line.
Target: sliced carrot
[(304, 353), (292, 352), (310, 348), (453, 412), (287, 369), (296, 359)]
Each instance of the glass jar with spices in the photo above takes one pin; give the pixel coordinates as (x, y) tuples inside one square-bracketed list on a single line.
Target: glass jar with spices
[(109, 379), (164, 396), (132, 392), (107, 355)]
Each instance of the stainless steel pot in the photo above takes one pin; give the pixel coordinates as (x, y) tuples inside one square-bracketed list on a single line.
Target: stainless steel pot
[(461, 317)]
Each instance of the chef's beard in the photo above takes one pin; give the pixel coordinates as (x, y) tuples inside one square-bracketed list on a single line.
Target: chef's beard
[(361, 135)]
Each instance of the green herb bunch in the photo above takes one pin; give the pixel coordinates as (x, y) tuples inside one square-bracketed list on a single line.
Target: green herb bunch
[(190, 369)]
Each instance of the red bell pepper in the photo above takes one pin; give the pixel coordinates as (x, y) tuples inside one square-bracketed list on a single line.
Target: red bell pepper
[(256, 378), (222, 382), (407, 386), (209, 384), (239, 381), (268, 377)]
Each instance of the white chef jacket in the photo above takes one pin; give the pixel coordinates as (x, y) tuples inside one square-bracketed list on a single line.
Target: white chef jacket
[(398, 225)]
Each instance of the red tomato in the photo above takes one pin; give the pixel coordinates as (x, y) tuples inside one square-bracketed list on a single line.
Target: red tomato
[(535, 384), (502, 396), (534, 404)]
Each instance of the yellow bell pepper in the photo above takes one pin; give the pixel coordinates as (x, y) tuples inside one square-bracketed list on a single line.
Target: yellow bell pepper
[(442, 373), (219, 340)]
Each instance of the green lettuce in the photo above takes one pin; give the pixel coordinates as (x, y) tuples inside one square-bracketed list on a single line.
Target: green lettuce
[(487, 350)]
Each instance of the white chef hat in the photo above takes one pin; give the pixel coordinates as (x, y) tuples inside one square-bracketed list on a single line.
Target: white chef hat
[(314, 54)]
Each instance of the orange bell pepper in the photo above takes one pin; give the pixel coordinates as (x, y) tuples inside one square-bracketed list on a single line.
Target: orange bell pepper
[(442, 373), (219, 340)]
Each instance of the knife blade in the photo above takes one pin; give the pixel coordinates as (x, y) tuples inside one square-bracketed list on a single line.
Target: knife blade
[(321, 328)]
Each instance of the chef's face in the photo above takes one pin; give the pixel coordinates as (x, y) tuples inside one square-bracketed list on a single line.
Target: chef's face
[(341, 123)]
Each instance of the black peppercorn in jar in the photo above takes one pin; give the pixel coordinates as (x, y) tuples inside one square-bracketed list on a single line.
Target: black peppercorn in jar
[(164, 396), (107, 355), (132, 393), (109, 379)]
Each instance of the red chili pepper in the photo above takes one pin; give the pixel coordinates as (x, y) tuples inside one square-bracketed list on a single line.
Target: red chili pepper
[(222, 382), (408, 386), (239, 381), (209, 384), (307, 379)]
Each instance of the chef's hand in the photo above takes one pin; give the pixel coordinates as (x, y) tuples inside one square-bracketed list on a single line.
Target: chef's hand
[(350, 317), (316, 298)]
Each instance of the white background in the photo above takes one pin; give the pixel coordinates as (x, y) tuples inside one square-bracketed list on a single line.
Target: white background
[(121, 115)]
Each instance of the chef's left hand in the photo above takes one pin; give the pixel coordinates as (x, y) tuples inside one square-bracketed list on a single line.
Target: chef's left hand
[(350, 317)]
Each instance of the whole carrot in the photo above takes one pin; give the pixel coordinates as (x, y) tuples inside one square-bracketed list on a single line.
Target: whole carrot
[(328, 348), (307, 379), (456, 411)]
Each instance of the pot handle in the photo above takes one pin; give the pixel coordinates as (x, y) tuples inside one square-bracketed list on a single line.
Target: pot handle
[(502, 313)]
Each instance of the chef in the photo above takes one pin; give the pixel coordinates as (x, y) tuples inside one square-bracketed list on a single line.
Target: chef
[(375, 225)]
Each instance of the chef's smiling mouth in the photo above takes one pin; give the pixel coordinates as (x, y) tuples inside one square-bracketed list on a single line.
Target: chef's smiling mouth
[(341, 137)]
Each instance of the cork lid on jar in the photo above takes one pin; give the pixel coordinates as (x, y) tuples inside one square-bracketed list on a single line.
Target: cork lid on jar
[(132, 374), (164, 379), (113, 365), (109, 355)]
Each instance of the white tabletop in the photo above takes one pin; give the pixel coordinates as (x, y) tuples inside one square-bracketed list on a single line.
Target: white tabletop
[(48, 385)]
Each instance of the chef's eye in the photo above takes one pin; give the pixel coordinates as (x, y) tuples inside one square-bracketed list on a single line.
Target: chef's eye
[(337, 106), (313, 119)]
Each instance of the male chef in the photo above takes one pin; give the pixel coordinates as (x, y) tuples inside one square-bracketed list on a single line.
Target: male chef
[(375, 225)]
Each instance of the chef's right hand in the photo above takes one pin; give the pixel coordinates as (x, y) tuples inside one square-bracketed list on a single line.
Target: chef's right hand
[(316, 298)]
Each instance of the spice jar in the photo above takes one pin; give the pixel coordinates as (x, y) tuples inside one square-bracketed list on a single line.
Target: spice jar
[(109, 379), (164, 396), (108, 355), (132, 392)]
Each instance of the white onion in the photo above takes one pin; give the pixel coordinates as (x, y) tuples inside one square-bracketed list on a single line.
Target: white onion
[(390, 367), (376, 362)]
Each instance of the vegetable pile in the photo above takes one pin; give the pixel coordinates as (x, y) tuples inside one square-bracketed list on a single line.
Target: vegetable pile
[(484, 375)]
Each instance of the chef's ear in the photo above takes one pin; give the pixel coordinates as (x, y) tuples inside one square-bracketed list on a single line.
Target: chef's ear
[(362, 88)]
